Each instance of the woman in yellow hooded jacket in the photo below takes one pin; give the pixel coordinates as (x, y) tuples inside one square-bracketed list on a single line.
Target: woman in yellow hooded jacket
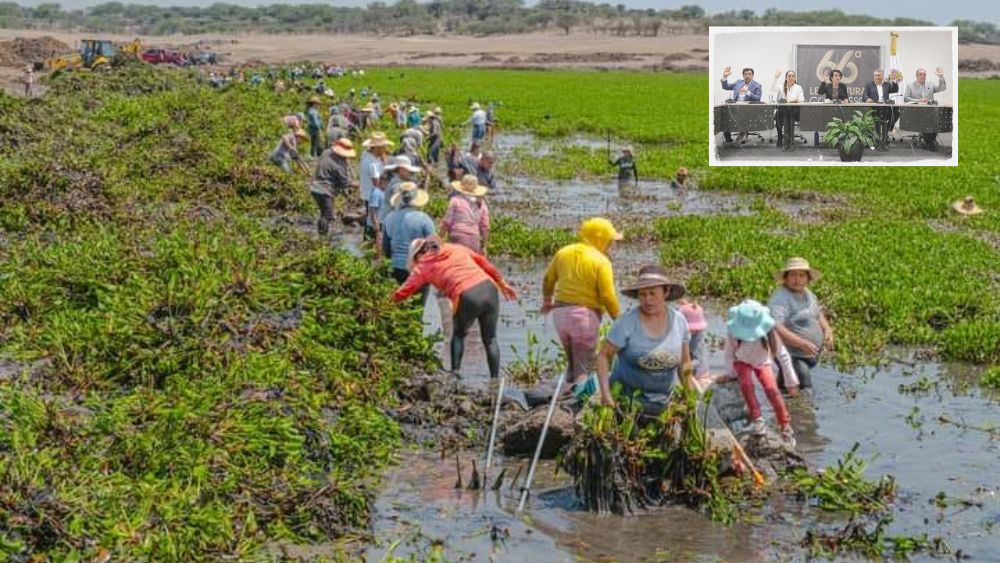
[(578, 289)]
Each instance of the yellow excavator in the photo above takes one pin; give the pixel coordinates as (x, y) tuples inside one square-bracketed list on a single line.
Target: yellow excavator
[(94, 54)]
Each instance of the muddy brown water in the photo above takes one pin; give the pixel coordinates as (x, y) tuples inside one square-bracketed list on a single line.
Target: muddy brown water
[(565, 203), (901, 434), (419, 503)]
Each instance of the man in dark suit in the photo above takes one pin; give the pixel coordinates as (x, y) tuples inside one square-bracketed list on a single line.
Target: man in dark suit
[(746, 90), (878, 90)]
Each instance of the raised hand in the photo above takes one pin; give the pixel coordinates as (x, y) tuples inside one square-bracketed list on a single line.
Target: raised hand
[(939, 72), (777, 73), (727, 71)]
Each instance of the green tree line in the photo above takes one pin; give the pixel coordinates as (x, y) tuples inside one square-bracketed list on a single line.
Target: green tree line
[(409, 17)]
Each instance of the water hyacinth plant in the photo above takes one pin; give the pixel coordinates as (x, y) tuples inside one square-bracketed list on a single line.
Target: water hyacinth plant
[(622, 460), (195, 379)]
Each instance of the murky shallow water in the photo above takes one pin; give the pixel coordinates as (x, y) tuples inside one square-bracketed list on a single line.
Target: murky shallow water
[(419, 502), (902, 434)]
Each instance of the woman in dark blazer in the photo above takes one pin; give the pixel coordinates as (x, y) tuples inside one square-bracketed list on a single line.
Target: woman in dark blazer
[(834, 90)]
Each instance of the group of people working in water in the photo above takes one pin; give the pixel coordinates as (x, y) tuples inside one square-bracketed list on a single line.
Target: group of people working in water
[(659, 344), (650, 349)]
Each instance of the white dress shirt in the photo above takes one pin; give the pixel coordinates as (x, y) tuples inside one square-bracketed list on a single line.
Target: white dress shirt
[(795, 93)]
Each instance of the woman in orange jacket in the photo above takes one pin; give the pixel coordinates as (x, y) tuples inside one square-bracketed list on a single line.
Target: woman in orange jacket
[(472, 284)]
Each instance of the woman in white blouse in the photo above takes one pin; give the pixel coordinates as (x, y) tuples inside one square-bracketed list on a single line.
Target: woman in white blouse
[(785, 118)]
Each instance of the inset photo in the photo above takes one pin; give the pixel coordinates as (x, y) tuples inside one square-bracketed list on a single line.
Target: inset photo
[(833, 96)]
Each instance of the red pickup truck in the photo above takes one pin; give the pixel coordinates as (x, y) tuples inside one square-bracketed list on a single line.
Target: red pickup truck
[(158, 56)]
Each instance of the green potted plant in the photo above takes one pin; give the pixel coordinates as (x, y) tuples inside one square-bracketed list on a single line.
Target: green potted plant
[(851, 138)]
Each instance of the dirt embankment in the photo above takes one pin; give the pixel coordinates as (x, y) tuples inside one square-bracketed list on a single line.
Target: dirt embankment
[(21, 51)]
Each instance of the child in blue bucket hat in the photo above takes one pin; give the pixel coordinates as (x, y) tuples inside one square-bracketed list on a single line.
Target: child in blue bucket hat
[(752, 347)]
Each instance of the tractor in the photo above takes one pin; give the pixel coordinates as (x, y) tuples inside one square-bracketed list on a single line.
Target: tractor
[(93, 54)]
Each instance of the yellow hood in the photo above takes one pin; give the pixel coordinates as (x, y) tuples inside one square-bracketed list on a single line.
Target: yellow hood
[(598, 232)]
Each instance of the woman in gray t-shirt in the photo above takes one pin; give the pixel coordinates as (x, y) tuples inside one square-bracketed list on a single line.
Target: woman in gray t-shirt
[(649, 344), (800, 320)]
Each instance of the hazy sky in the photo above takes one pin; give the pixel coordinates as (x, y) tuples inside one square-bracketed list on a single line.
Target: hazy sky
[(935, 11)]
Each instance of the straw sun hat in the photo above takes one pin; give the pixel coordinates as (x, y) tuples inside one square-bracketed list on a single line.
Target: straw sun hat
[(378, 139), (419, 198), (797, 264), (344, 147), (967, 206), (654, 276), (469, 185), (401, 161)]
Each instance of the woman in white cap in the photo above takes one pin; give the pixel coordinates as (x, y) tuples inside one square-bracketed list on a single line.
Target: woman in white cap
[(649, 344), (399, 170), (801, 323), (472, 284), (467, 220)]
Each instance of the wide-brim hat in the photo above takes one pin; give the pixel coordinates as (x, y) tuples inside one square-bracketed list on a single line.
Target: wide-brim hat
[(301, 133), (629, 149), (749, 321), (344, 147), (401, 161), (469, 185), (368, 108), (967, 206), (797, 264), (475, 105), (413, 109), (437, 110), (420, 197), (654, 277), (329, 92), (313, 100), (378, 139)]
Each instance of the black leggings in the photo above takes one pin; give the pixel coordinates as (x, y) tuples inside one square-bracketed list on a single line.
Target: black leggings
[(481, 303)]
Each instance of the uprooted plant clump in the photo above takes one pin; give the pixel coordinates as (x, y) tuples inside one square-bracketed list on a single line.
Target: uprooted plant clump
[(622, 460)]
